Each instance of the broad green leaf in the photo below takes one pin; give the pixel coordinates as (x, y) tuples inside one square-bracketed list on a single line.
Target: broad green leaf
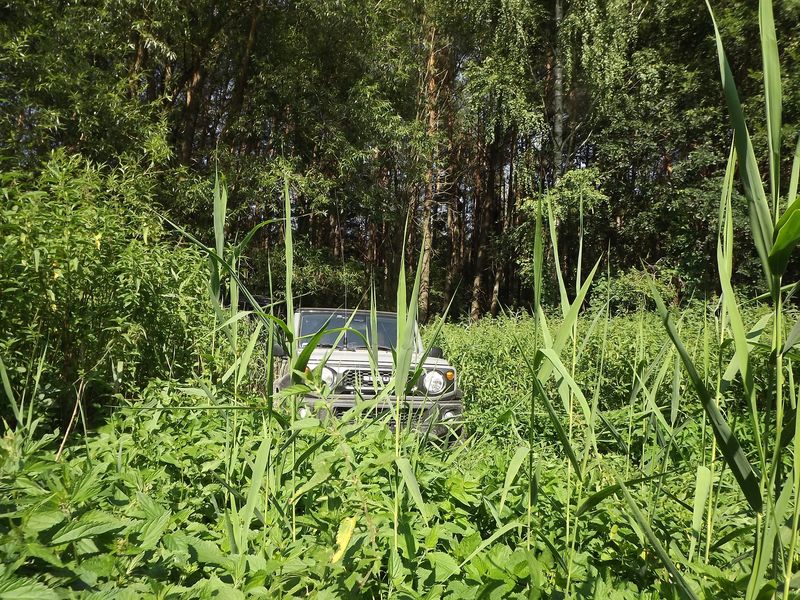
[(411, 483), (346, 529), (320, 476), (40, 521), (785, 242), (444, 565), (151, 532), (511, 473), (735, 457), (25, 589), (88, 525), (307, 423)]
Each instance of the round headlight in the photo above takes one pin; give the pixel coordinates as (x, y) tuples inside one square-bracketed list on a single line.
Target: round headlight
[(328, 376), (449, 416), (303, 412), (434, 382)]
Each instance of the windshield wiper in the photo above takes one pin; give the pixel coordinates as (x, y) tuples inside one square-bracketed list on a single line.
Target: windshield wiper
[(323, 345)]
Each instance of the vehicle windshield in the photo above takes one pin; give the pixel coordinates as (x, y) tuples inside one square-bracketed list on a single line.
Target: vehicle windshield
[(334, 322)]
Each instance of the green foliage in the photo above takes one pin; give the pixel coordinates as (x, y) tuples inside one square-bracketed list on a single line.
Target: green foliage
[(92, 284), (629, 292), (144, 511)]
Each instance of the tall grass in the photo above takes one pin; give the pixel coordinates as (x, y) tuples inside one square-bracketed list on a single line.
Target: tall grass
[(776, 232)]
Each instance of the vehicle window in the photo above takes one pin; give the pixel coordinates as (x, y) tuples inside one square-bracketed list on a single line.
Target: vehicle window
[(311, 323)]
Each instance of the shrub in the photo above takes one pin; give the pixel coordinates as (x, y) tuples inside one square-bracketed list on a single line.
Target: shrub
[(92, 284)]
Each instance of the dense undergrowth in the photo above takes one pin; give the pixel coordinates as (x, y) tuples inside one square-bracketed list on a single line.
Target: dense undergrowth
[(140, 510), (182, 482)]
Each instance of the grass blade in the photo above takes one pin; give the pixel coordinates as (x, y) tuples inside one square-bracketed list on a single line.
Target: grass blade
[(702, 488), (253, 493), (612, 489), (772, 94), (641, 521), (9, 392), (760, 218), (289, 254), (560, 432), (411, 483), (792, 199), (511, 474), (244, 363), (735, 457), (488, 541), (220, 210)]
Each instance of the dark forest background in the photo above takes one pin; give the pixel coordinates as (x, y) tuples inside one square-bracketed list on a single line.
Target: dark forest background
[(455, 117)]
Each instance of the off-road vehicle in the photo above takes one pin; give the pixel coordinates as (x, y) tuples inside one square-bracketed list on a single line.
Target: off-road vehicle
[(352, 375)]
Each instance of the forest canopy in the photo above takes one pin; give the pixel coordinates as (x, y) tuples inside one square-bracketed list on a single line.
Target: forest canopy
[(454, 116)]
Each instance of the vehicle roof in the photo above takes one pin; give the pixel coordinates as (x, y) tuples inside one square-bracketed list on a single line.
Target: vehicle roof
[(347, 310)]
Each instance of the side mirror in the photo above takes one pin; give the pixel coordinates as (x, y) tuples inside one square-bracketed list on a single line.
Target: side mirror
[(278, 351), (436, 352)]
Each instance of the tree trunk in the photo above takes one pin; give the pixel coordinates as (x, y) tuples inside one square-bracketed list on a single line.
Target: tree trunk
[(240, 84), (193, 92), (430, 179), (483, 212), (558, 94), (499, 277)]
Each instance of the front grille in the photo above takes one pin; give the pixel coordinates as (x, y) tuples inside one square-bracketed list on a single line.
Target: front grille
[(362, 380)]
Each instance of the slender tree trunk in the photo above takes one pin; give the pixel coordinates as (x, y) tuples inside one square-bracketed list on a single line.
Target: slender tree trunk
[(483, 212), (430, 178), (193, 97), (499, 277), (242, 75), (138, 61), (558, 93)]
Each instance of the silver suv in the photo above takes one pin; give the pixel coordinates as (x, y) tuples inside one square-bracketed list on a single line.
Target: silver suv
[(433, 399)]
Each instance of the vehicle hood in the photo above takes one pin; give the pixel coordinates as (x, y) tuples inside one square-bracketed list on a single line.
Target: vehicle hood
[(340, 360)]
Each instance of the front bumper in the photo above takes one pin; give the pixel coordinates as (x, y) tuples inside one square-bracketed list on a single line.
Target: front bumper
[(448, 401), (440, 415)]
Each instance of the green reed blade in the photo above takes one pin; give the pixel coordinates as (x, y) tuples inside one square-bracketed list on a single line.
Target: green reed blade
[(407, 471), (644, 526), (511, 473), (760, 218), (702, 487), (772, 95), (735, 457)]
